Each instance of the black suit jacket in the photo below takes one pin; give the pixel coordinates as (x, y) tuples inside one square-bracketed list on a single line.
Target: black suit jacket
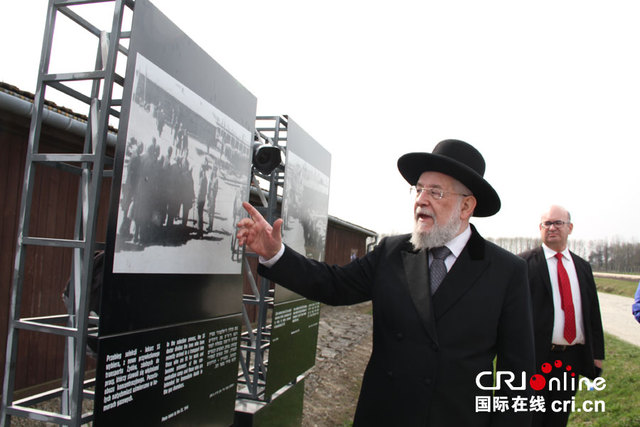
[(427, 351), (542, 300)]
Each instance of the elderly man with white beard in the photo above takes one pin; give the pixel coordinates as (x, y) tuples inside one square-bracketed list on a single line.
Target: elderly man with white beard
[(447, 304)]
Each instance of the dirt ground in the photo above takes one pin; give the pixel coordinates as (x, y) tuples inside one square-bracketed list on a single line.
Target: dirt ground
[(333, 384)]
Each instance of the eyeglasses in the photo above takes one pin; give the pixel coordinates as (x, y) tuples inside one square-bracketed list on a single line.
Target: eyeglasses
[(558, 223), (432, 193)]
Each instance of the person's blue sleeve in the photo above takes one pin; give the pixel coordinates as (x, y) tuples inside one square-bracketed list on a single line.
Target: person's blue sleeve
[(635, 308)]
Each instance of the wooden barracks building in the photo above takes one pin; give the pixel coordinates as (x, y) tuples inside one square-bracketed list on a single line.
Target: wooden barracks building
[(54, 197)]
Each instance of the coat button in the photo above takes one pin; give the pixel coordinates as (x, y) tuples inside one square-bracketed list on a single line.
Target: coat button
[(389, 374), (427, 381), (399, 336)]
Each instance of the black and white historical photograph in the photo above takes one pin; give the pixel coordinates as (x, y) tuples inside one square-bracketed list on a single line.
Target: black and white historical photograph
[(186, 172), (305, 205)]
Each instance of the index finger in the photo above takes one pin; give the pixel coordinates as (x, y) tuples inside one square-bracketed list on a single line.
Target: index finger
[(253, 212)]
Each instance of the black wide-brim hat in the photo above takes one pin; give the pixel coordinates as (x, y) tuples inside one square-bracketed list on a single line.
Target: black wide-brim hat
[(459, 160)]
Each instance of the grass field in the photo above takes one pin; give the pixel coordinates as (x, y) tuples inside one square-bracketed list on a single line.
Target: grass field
[(621, 396), (625, 288)]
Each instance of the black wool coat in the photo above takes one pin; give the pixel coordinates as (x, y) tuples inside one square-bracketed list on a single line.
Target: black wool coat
[(428, 350)]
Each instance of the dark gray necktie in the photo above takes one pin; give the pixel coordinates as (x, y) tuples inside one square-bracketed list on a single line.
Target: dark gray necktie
[(438, 269)]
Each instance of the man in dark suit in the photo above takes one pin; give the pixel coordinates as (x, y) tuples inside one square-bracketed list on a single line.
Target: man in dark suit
[(566, 314), (433, 346)]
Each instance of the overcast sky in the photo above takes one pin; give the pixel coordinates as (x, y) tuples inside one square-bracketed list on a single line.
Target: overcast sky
[(548, 91)]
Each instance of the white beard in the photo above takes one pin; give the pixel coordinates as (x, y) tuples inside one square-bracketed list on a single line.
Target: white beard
[(439, 234)]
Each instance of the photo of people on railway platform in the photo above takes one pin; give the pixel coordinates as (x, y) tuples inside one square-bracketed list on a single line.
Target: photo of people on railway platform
[(186, 172)]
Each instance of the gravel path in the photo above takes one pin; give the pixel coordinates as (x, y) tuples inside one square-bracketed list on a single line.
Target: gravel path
[(617, 318), (333, 384)]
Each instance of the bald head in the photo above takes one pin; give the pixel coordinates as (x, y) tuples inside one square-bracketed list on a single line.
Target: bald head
[(555, 227)]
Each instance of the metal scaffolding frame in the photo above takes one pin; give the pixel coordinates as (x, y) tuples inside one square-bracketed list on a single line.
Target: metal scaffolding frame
[(256, 339), (90, 167)]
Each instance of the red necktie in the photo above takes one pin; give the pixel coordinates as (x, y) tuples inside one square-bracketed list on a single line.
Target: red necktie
[(567, 302)]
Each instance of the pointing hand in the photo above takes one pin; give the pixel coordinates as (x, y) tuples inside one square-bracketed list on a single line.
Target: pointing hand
[(258, 234)]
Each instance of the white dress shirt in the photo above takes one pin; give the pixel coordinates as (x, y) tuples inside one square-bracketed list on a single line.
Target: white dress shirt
[(455, 245), (558, 320)]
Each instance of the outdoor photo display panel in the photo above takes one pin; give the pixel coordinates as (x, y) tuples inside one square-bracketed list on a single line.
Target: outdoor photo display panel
[(172, 265), (294, 336), (170, 375), (304, 211), (305, 199), (172, 256), (184, 179)]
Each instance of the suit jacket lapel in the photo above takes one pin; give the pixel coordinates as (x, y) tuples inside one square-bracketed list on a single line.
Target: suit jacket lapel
[(543, 271), (585, 296), (415, 267), (462, 276)]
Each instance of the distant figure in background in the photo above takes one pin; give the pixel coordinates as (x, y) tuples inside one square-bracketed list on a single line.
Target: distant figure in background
[(184, 141), (174, 174), (146, 195), (160, 117), (177, 137), (212, 193), (566, 312), (187, 191), (202, 198), (130, 186), (165, 185), (635, 308)]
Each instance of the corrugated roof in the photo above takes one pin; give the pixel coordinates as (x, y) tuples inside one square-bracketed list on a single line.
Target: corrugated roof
[(50, 105)]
